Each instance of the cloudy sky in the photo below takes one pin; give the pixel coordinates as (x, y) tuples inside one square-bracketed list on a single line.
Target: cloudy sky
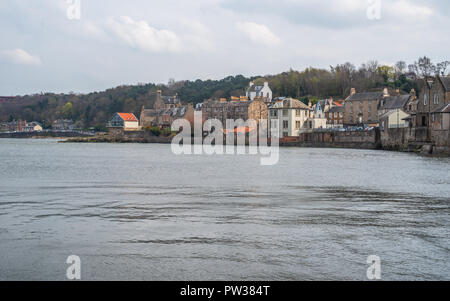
[(47, 46)]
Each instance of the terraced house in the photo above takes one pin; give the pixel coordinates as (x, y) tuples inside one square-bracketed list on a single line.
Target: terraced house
[(361, 109), (236, 108)]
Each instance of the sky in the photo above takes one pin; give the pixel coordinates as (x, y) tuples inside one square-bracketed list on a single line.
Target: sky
[(91, 45)]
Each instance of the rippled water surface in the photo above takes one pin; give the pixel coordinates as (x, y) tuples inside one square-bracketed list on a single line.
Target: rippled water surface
[(138, 212)]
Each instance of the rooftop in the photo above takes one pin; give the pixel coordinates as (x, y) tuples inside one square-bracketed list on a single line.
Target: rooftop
[(128, 116)]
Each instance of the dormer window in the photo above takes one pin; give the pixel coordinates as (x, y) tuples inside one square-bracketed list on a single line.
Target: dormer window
[(425, 99)]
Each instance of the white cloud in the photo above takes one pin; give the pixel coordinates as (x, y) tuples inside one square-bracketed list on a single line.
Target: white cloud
[(140, 35), (406, 9), (21, 57), (258, 33)]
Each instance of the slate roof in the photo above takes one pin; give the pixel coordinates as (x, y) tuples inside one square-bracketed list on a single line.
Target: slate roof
[(443, 109), (365, 96), (445, 82), (290, 103), (337, 109), (395, 102), (255, 88)]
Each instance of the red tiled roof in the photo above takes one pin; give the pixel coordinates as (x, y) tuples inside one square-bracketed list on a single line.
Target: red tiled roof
[(128, 116)]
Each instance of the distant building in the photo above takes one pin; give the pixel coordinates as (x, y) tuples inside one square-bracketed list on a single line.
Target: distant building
[(125, 121), (432, 105), (394, 111), (293, 117), (264, 92), (32, 127), (361, 109), (63, 125), (165, 110), (237, 108)]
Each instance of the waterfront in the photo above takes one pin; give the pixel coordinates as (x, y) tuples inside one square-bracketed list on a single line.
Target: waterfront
[(138, 212)]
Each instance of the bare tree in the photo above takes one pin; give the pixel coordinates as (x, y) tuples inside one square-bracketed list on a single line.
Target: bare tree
[(441, 68), (425, 67)]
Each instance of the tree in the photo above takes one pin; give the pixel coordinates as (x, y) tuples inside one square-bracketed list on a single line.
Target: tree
[(441, 68), (67, 110), (424, 67)]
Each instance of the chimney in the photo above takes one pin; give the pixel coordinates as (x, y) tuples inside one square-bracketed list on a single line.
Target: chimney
[(353, 91), (397, 91), (266, 84), (309, 104), (252, 84), (385, 92), (413, 93)]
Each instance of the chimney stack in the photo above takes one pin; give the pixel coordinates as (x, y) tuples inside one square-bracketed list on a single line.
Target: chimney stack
[(413, 93), (353, 91), (266, 84), (385, 92), (252, 84), (397, 91)]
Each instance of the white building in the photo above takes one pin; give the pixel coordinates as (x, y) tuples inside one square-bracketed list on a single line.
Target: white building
[(264, 92), (292, 115)]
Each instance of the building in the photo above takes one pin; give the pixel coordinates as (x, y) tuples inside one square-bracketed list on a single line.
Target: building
[(63, 125), (263, 92), (125, 121), (332, 110), (361, 109), (32, 127), (236, 108), (394, 111), (165, 110), (335, 116), (432, 104), (293, 117)]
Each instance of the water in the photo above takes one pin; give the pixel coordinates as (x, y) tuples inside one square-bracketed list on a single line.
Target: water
[(138, 212)]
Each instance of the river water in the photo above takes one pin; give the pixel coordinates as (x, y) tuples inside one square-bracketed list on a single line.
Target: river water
[(139, 212)]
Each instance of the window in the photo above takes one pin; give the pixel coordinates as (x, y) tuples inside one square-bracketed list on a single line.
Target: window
[(370, 109), (285, 134), (285, 112), (285, 124), (432, 117), (297, 125), (297, 113), (425, 99), (436, 98)]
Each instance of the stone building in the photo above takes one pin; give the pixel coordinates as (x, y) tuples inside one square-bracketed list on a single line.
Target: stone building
[(165, 110), (394, 111), (332, 110), (432, 105), (361, 109), (237, 108)]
